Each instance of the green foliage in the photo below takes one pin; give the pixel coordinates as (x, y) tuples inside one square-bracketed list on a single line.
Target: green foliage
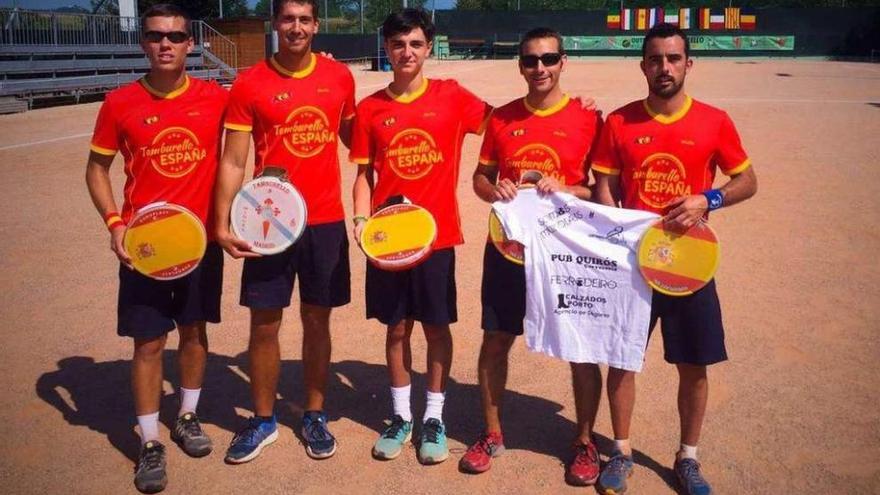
[(203, 9)]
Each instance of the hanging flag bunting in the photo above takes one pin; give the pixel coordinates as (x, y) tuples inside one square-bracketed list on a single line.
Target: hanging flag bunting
[(747, 19), (626, 20), (641, 19), (613, 19), (704, 18), (716, 19), (731, 17), (684, 18)]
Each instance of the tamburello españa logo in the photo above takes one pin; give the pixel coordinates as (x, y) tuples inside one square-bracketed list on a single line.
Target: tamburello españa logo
[(175, 152), (538, 157), (306, 132), (662, 178), (413, 153)]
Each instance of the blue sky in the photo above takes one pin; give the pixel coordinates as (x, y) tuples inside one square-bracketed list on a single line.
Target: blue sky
[(52, 4)]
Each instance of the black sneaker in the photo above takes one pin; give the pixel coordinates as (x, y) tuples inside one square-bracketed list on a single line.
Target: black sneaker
[(150, 477), (187, 432)]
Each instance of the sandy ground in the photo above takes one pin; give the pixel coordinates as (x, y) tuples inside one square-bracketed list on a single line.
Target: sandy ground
[(794, 410)]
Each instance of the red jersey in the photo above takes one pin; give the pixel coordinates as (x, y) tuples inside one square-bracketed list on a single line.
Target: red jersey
[(295, 118), (661, 158), (555, 141), (170, 143), (414, 143)]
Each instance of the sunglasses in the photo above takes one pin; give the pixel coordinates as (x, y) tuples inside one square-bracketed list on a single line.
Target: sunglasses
[(548, 59), (173, 36)]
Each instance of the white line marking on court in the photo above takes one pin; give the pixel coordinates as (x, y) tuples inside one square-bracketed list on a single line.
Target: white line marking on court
[(44, 141)]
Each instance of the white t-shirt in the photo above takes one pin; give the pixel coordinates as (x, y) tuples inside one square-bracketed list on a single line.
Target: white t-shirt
[(586, 301)]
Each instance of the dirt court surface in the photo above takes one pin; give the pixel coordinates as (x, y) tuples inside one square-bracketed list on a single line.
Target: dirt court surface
[(793, 411)]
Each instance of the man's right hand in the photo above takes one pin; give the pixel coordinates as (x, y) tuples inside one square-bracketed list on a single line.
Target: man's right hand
[(237, 248), (356, 231), (118, 248), (505, 190)]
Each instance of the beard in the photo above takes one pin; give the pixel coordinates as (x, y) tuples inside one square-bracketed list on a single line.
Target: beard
[(664, 91)]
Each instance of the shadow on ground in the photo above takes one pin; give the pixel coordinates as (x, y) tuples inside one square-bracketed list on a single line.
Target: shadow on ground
[(96, 395)]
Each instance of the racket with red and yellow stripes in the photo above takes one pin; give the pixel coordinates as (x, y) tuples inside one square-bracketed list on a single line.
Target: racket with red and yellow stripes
[(678, 263)]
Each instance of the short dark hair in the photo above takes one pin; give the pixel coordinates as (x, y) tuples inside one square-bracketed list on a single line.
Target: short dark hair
[(278, 6), (538, 33), (405, 20), (166, 10), (666, 30)]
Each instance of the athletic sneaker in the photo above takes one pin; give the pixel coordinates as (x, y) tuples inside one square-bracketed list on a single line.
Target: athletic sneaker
[(320, 443), (149, 476), (432, 442), (584, 467), (249, 442), (612, 481), (187, 432), (391, 441), (478, 458), (688, 473)]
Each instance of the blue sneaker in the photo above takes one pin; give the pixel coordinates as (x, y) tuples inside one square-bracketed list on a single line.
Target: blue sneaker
[(688, 473), (320, 443), (612, 481), (391, 441), (249, 442), (432, 445)]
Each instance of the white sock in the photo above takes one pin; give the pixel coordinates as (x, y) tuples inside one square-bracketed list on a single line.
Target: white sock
[(434, 406), (400, 401), (189, 399), (149, 424), (687, 452), (622, 446)]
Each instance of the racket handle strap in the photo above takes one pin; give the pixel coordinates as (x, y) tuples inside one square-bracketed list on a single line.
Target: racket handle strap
[(714, 198), (358, 219)]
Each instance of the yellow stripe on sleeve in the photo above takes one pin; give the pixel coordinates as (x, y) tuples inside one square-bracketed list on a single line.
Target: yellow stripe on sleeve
[(739, 168), (238, 127), (102, 151), (602, 169)]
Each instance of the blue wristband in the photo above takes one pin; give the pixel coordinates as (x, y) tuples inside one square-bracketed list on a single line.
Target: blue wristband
[(715, 198)]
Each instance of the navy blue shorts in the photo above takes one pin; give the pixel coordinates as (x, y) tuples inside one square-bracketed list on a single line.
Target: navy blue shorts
[(691, 327), (425, 293), (503, 293), (320, 260), (150, 308)]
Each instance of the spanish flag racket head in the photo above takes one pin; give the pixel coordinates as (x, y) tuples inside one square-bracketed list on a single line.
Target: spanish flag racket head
[(269, 213), (399, 237), (678, 263), (165, 241), (511, 250)]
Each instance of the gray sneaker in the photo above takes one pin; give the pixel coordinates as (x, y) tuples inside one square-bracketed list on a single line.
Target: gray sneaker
[(149, 476), (187, 432)]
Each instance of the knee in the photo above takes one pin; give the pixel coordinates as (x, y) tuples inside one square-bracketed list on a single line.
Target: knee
[(398, 333), (618, 377), (149, 349), (496, 346), (193, 335), (437, 334), (691, 373), (314, 318)]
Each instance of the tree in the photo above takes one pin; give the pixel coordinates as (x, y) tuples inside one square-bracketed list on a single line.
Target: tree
[(203, 9)]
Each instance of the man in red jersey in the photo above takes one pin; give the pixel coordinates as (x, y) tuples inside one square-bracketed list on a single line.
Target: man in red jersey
[(144, 120), (548, 132), (297, 106), (660, 154), (409, 135)]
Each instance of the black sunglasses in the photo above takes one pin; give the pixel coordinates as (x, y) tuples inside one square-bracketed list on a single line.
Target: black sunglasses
[(548, 59), (174, 36)]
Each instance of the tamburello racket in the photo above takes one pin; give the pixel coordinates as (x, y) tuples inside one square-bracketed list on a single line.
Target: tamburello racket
[(269, 213), (678, 263), (398, 237), (513, 251), (165, 241)]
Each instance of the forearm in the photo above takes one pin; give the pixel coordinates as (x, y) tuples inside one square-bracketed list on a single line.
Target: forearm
[(484, 183), (362, 192), (230, 175), (98, 183), (606, 190), (740, 187), (579, 190)]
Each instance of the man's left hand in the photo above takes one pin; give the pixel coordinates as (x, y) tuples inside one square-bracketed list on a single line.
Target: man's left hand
[(686, 211)]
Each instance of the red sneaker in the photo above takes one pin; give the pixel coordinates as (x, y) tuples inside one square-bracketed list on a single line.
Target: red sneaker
[(584, 468), (478, 458)]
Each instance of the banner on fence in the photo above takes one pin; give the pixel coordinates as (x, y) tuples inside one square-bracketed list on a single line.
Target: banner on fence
[(698, 43)]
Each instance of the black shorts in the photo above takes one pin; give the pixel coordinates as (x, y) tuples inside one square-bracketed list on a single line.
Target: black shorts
[(320, 260), (691, 327), (503, 293), (425, 293), (150, 308)]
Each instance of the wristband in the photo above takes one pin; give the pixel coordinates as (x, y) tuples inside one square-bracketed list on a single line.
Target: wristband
[(112, 219), (358, 219), (715, 198)]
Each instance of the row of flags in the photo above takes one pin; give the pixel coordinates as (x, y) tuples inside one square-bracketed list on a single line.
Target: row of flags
[(685, 18)]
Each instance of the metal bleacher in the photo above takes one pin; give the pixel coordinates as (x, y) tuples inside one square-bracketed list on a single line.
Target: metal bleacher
[(48, 54)]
